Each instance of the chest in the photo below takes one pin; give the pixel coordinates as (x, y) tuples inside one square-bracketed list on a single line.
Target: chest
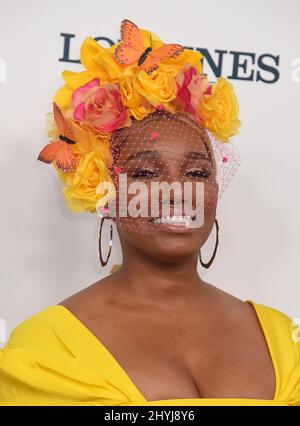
[(168, 359)]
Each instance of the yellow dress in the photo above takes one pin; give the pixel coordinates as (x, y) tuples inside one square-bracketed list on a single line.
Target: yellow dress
[(51, 358)]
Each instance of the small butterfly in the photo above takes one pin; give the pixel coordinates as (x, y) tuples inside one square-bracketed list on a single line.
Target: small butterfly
[(60, 150), (132, 49)]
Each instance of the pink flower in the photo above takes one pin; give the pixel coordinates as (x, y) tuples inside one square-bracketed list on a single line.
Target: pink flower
[(190, 89), (100, 106)]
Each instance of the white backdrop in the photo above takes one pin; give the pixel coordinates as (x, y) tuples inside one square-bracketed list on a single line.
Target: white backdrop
[(48, 253)]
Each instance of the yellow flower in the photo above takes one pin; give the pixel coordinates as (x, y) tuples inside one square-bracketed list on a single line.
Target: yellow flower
[(99, 62), (140, 90), (219, 110), (187, 56), (138, 106), (80, 188), (159, 88)]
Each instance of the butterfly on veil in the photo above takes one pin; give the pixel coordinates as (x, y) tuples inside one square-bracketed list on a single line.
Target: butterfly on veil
[(132, 49), (59, 150)]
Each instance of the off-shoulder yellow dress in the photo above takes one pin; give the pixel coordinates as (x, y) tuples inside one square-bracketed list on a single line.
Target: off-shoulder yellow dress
[(51, 358)]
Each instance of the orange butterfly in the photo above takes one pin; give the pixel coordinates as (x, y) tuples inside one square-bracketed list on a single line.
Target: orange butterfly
[(132, 49), (60, 150)]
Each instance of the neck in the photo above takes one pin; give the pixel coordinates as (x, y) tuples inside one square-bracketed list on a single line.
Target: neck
[(157, 282)]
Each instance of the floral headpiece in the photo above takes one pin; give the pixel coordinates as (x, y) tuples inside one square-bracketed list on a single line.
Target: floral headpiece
[(129, 80)]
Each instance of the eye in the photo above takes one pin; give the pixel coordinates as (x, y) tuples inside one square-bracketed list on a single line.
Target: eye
[(143, 173), (198, 173)]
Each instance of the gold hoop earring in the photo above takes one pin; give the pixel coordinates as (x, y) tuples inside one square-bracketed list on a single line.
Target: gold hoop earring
[(208, 264), (104, 262)]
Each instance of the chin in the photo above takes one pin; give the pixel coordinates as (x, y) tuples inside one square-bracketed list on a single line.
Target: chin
[(171, 246)]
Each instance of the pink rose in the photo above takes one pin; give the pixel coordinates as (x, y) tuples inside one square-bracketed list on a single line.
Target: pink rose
[(100, 106), (190, 88)]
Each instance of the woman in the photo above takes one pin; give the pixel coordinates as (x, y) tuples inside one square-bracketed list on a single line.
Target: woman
[(153, 332)]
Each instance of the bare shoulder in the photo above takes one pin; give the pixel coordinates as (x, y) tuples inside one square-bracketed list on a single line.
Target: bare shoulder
[(233, 309), (226, 301)]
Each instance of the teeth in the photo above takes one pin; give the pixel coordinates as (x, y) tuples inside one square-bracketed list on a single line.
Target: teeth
[(173, 220)]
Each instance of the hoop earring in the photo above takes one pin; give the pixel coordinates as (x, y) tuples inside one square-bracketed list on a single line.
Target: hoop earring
[(104, 262), (208, 264)]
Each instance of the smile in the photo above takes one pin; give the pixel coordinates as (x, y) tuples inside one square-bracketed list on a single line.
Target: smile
[(173, 220)]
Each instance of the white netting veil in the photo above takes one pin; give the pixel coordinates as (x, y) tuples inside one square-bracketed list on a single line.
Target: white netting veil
[(168, 172)]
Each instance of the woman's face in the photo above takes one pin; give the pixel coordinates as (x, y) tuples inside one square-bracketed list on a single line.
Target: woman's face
[(176, 151)]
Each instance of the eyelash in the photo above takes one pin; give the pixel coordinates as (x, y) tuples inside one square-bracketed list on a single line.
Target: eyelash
[(149, 173), (199, 173), (143, 173)]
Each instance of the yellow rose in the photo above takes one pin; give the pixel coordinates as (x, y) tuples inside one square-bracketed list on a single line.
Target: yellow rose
[(80, 188), (159, 88), (187, 56), (142, 93), (100, 60), (138, 106), (219, 110)]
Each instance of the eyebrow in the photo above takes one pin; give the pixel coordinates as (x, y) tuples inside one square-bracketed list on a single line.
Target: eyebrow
[(142, 154), (192, 155), (195, 155)]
